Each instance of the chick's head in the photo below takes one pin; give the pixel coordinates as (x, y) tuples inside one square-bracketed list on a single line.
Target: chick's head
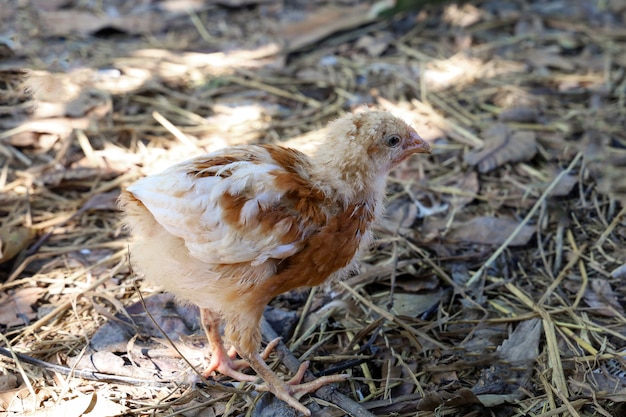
[(375, 139)]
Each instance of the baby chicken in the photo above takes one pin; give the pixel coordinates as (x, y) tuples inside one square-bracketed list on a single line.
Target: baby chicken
[(230, 230)]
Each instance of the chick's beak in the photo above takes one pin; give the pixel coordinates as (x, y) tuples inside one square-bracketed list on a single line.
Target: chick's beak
[(416, 144)]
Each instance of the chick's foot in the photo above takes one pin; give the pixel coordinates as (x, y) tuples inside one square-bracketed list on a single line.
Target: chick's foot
[(290, 391), (226, 363)]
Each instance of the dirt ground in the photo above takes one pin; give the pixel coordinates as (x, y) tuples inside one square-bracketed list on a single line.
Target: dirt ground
[(496, 285)]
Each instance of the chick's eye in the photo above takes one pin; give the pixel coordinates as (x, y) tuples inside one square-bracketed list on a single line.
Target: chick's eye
[(393, 140)]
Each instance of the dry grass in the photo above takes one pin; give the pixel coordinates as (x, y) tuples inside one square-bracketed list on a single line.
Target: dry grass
[(449, 315)]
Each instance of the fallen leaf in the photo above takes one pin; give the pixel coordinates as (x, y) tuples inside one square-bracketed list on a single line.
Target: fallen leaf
[(18, 401), (374, 45), (323, 22), (522, 114), (503, 146), (564, 186), (434, 400), (8, 390), (602, 299), (94, 405), (619, 272), (400, 215), (490, 231), (513, 367), (608, 378), (72, 21), (14, 239), (411, 305), (549, 57), (412, 283), (16, 308), (237, 3), (461, 189), (522, 347), (7, 382)]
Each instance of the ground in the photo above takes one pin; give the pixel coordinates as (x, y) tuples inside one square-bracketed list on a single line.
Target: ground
[(495, 286)]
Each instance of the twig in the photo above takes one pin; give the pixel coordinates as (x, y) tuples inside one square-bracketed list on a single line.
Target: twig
[(523, 223), (84, 374)]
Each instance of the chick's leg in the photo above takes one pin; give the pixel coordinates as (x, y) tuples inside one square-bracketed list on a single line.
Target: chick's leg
[(292, 390), (221, 360)]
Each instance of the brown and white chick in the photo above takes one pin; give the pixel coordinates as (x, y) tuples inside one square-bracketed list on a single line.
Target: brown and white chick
[(230, 230)]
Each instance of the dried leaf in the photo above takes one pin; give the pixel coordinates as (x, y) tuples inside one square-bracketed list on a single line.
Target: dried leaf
[(18, 401), (461, 189), (374, 45), (324, 22), (16, 308), (14, 239), (237, 3), (522, 347), (412, 305), (400, 215), (606, 164), (412, 283), (513, 366), (72, 21), (7, 382), (601, 297), (490, 231), (619, 272), (503, 146), (564, 186), (93, 405), (434, 400), (609, 379), (522, 114), (549, 57)]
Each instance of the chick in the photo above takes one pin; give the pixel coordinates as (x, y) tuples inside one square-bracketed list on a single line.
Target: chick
[(230, 230)]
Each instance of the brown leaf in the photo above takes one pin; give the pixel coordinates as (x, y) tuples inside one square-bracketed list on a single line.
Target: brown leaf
[(513, 367), (16, 307), (601, 297), (619, 272), (412, 305), (94, 405), (324, 22), (522, 347), (502, 146), (490, 231), (521, 114), (72, 21), (400, 215), (104, 201), (374, 45), (549, 57), (412, 283), (14, 239), (461, 189), (564, 186)]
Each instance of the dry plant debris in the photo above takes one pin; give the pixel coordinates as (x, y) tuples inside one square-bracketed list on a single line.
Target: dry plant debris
[(496, 286)]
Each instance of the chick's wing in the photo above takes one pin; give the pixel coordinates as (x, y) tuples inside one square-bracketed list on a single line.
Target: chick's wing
[(228, 206)]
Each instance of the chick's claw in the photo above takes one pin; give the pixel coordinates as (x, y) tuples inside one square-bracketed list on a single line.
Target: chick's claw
[(296, 388), (226, 363), (291, 391)]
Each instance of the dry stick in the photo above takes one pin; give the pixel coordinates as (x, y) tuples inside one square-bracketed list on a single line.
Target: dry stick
[(67, 304), (326, 393), (520, 226), (611, 227), (16, 358), (391, 317), (81, 373)]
